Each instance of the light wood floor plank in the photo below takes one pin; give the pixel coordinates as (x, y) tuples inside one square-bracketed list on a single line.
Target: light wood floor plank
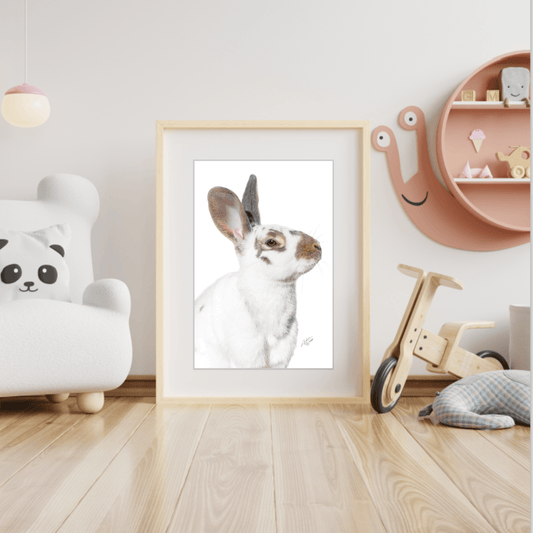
[(492, 481), (40, 497), (318, 487), (230, 486), (11, 409), (24, 440), (412, 494), (140, 488), (122, 469), (515, 442)]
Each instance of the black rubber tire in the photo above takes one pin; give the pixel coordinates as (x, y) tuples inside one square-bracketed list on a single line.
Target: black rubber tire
[(376, 393), (494, 355)]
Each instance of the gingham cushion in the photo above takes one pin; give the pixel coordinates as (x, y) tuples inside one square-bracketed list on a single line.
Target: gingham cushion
[(490, 400)]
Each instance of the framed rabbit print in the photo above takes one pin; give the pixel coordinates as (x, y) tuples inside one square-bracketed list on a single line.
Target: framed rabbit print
[(263, 261)]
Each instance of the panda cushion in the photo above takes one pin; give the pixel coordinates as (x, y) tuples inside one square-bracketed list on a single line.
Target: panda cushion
[(32, 264)]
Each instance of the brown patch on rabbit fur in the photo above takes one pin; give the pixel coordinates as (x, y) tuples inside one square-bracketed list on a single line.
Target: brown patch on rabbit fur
[(308, 248)]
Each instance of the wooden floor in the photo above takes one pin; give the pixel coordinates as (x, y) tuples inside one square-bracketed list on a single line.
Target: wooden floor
[(136, 466)]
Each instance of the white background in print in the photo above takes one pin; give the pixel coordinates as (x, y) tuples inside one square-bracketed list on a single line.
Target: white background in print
[(295, 194)]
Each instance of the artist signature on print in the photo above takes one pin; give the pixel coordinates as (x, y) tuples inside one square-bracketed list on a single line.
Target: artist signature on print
[(307, 342)]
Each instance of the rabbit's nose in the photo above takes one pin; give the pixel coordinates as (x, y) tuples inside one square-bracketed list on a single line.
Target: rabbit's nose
[(318, 247), (29, 284)]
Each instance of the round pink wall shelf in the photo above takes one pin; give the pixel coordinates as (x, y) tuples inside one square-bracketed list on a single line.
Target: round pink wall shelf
[(501, 201)]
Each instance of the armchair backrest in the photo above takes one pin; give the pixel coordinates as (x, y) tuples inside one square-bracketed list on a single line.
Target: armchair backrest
[(62, 198)]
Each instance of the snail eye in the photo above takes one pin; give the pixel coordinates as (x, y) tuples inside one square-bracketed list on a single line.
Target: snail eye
[(410, 118), (383, 139), (271, 243)]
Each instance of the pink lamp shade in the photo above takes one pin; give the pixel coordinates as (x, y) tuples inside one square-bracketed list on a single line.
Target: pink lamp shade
[(25, 106)]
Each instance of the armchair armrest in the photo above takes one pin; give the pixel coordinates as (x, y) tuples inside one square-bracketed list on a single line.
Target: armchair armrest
[(52, 347), (110, 294)]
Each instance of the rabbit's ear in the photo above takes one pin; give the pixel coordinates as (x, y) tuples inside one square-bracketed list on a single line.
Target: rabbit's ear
[(250, 202), (228, 214)]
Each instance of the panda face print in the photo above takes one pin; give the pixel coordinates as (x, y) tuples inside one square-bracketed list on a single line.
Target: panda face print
[(33, 266), (12, 273)]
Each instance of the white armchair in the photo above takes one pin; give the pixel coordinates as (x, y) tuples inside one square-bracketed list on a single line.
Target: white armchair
[(55, 348)]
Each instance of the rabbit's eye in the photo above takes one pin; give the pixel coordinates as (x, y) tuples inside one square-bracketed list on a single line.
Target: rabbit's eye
[(271, 243)]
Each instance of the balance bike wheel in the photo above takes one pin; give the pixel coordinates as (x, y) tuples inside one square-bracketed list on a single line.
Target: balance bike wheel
[(379, 384), (494, 355)]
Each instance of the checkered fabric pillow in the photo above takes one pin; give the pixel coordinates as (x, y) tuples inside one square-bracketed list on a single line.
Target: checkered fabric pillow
[(490, 400)]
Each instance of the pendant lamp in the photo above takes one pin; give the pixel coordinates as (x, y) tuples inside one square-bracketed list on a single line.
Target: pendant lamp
[(25, 106)]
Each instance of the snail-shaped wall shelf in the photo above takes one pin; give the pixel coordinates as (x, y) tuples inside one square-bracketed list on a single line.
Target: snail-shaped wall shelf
[(455, 220)]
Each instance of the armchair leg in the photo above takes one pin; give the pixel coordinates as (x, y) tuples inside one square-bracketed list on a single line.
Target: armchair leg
[(57, 398), (90, 402)]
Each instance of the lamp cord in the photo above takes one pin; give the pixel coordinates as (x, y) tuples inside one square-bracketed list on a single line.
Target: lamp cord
[(25, 41)]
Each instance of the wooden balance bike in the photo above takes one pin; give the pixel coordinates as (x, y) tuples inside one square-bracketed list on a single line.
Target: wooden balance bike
[(441, 352)]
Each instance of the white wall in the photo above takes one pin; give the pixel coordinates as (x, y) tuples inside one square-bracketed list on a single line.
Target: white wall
[(112, 68)]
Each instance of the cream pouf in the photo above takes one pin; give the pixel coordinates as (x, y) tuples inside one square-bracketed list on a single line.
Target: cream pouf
[(519, 337)]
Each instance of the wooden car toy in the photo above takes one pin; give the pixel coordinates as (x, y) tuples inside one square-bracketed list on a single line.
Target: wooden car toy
[(519, 167)]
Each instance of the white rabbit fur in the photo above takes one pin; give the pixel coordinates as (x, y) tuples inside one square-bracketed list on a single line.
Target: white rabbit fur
[(247, 319)]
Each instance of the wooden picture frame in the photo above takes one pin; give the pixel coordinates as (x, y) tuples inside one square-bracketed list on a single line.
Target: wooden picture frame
[(179, 145)]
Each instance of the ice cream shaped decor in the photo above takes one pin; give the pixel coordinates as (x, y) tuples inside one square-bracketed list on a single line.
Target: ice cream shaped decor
[(477, 137)]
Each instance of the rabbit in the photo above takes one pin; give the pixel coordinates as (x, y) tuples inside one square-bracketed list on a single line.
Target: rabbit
[(247, 319)]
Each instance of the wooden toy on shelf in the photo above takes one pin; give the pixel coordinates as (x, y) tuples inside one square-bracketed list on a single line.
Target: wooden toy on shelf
[(493, 96), (519, 166), (442, 352), (468, 96)]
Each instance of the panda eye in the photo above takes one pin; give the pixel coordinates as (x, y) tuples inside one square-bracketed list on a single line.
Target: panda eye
[(271, 243), (10, 274), (47, 274)]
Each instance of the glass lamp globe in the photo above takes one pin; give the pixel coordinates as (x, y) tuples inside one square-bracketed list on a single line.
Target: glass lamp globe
[(25, 106)]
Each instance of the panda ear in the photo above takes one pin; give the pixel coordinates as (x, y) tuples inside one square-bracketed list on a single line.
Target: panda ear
[(58, 248), (3, 242)]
